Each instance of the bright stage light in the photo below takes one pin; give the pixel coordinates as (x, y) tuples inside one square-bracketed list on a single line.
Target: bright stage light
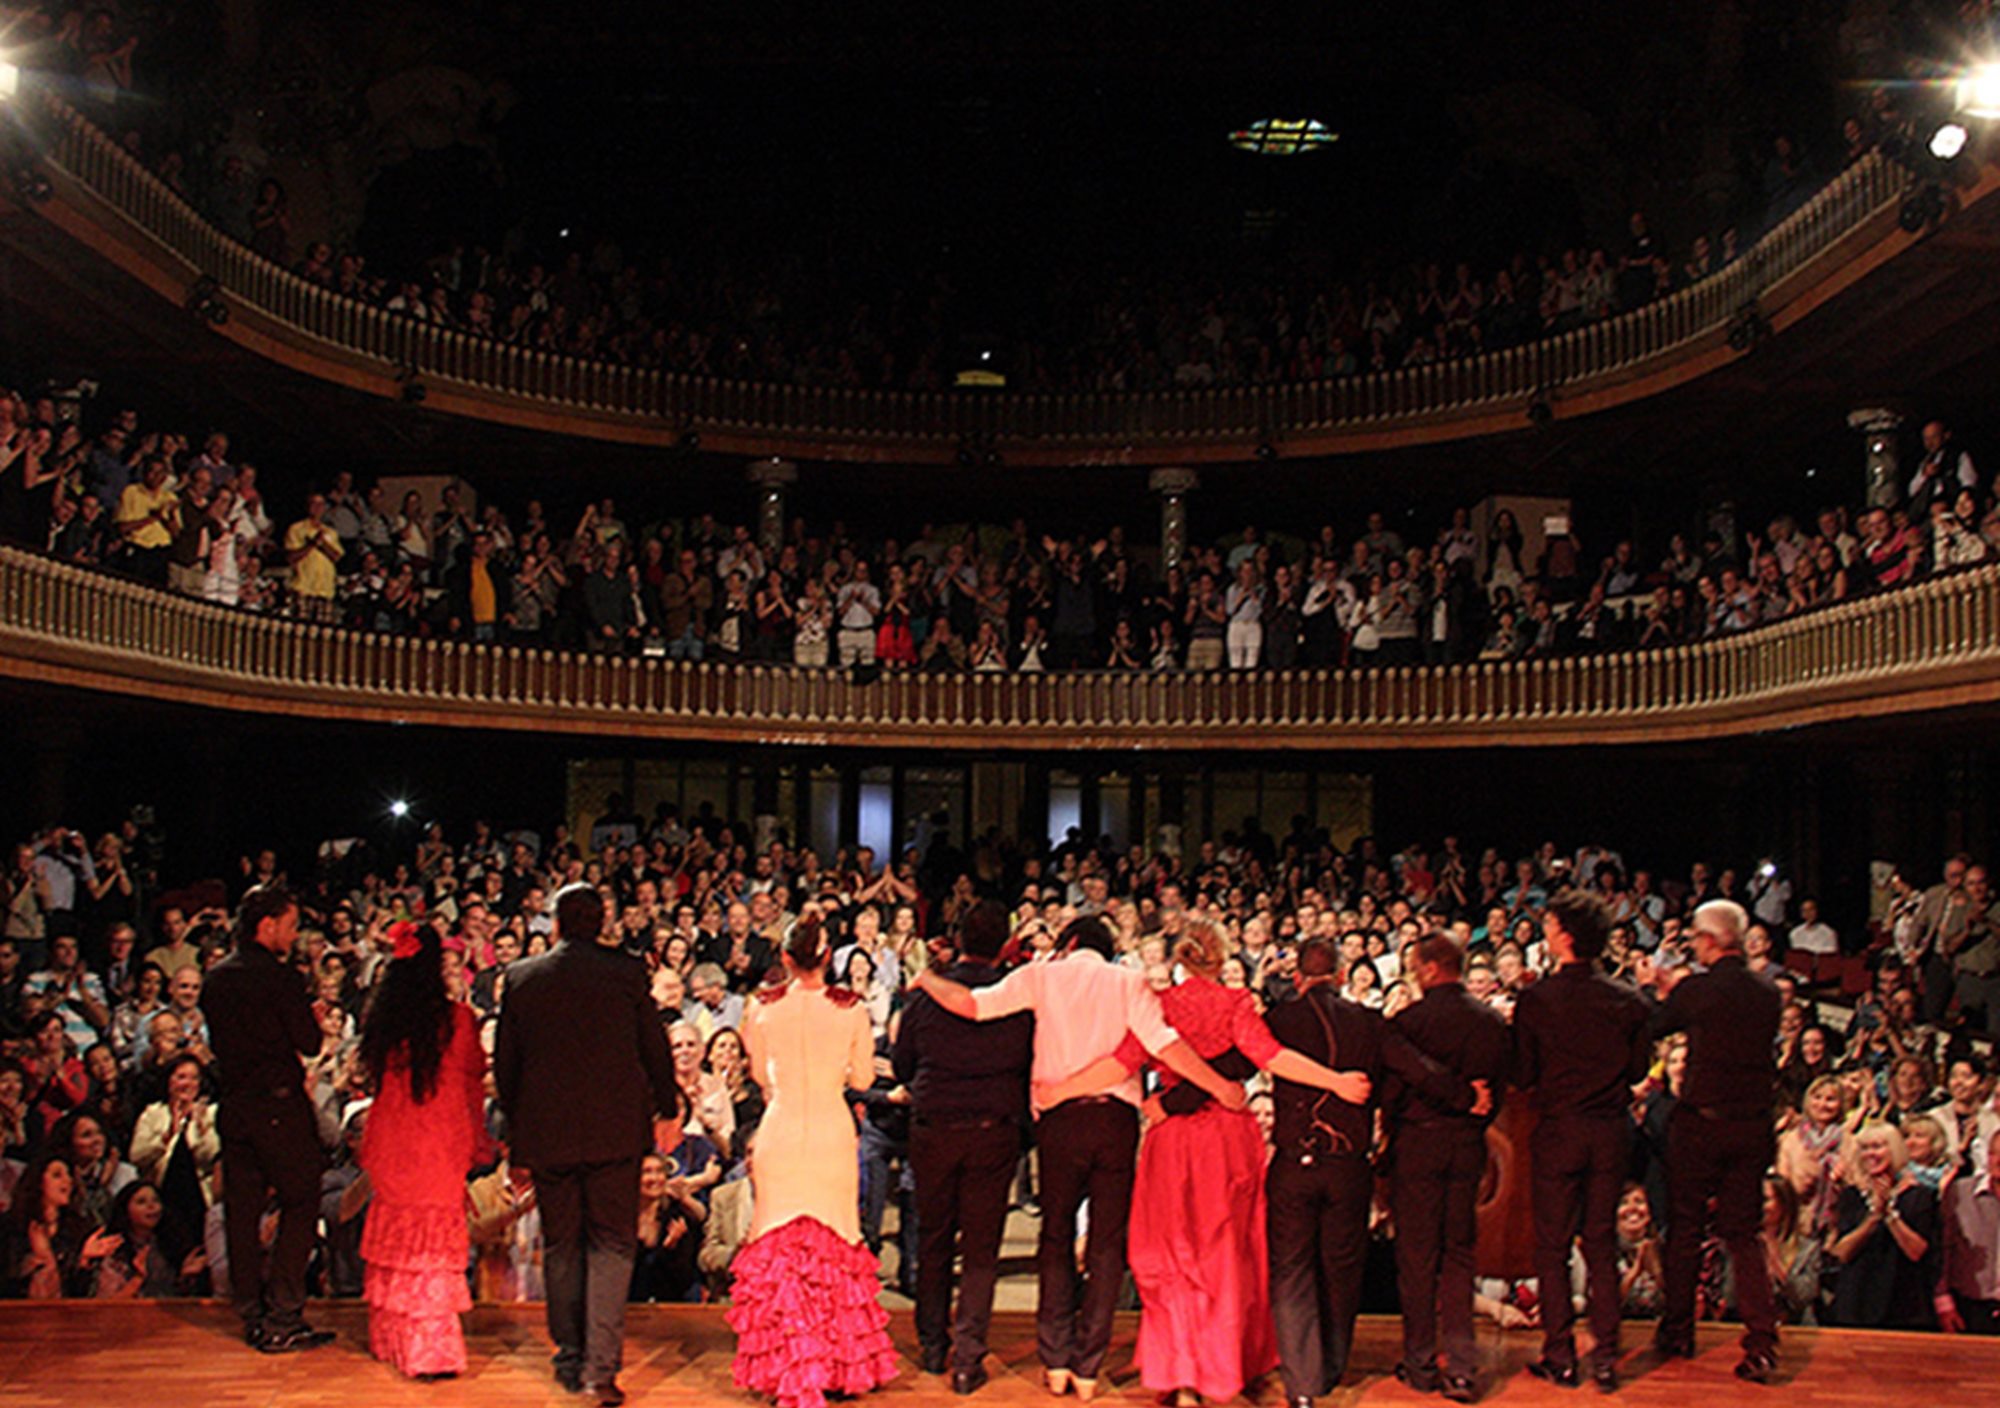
[(1979, 91), (10, 80), (399, 809), (1948, 141)]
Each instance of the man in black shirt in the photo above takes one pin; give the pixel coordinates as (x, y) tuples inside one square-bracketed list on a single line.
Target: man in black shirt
[(968, 1084), (1719, 1142), (1319, 1184), (260, 1024), (1580, 1042), (1439, 1157)]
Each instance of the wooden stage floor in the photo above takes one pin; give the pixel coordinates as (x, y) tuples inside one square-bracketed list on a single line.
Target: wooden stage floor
[(185, 1355)]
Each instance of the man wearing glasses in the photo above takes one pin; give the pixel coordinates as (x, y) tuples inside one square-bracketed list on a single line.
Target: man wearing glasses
[(1720, 1141)]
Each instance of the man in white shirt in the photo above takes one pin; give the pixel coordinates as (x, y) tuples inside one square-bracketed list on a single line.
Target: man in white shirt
[(1813, 934), (1084, 1005), (1968, 1295), (857, 605)]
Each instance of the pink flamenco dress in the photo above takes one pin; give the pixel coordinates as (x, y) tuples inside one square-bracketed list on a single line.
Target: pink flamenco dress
[(1196, 1240), (417, 1156), (805, 1308)]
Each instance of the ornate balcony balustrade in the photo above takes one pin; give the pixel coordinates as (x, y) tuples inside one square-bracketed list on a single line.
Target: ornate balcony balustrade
[(102, 195), (1932, 646)]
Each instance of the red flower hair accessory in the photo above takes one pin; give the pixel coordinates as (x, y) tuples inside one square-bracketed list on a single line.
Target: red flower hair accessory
[(404, 939)]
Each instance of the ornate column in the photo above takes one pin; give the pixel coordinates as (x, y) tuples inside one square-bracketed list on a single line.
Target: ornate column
[(1878, 425), (771, 476), (1173, 485)]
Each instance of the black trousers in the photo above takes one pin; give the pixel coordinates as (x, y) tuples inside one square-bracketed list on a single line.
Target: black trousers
[(1722, 1160), (1579, 1167), (963, 1173), (590, 1235), (1316, 1228), (1433, 1191), (1090, 1149), (270, 1147)]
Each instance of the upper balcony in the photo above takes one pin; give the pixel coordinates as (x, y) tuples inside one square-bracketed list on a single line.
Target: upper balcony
[(102, 199), (1931, 647)]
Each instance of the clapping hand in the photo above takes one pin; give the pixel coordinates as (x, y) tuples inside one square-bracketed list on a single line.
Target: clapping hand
[(101, 1244)]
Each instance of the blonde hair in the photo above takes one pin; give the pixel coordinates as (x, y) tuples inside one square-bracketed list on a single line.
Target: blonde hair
[(1899, 1152), (1820, 1083), (1939, 1146)]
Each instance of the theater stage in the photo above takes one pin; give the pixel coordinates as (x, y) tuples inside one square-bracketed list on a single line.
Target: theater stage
[(185, 1354)]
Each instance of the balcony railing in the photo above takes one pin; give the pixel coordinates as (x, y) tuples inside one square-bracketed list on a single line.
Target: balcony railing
[(1935, 645), (604, 398)]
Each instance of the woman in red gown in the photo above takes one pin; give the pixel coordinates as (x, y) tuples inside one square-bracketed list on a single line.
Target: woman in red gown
[(1196, 1241), (424, 1132)]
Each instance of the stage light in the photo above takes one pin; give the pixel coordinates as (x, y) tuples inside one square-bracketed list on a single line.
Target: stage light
[(10, 80), (1979, 91), (1281, 136), (1948, 141), (399, 809)]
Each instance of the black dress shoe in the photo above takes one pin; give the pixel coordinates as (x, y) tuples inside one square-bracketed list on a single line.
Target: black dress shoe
[(297, 1337), (969, 1380), (569, 1380), (253, 1333), (1299, 1400), (1412, 1377), (608, 1394), (1459, 1388), (1549, 1372), (1668, 1347), (1605, 1376), (1757, 1368), (933, 1359)]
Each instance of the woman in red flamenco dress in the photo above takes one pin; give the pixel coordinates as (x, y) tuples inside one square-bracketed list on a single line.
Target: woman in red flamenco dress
[(1196, 1240), (425, 1130), (804, 1305)]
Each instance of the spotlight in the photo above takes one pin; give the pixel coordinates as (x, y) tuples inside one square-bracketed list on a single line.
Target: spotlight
[(204, 300), (10, 80), (1979, 92), (399, 809), (1948, 141)]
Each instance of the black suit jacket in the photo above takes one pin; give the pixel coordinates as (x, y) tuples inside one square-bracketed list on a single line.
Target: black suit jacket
[(763, 953), (581, 1064)]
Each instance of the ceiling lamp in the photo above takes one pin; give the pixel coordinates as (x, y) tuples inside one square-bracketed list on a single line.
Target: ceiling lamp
[(1281, 136)]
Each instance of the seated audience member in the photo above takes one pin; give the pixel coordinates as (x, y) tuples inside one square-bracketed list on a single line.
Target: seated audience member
[(176, 1147), (153, 1257), (52, 1250), (670, 1233), (728, 1225), (1886, 1238), (1969, 1291)]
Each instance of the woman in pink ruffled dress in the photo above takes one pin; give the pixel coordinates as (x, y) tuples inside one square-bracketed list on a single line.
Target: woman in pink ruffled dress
[(805, 1311), (425, 1130)]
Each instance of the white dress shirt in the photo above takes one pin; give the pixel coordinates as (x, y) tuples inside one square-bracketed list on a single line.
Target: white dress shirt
[(1083, 1007)]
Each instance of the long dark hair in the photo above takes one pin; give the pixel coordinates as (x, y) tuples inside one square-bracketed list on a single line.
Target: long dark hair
[(411, 1015)]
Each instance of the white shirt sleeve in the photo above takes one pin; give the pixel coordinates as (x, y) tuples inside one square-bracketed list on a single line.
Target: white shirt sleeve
[(1143, 1015), (1014, 993)]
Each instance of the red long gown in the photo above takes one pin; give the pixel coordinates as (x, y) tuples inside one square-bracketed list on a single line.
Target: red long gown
[(1196, 1243), (415, 1246)]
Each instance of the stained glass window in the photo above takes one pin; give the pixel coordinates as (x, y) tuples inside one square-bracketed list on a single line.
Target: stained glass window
[(1279, 136)]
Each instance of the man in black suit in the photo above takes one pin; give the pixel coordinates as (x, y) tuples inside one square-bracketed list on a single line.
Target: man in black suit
[(1439, 1156), (1319, 1185), (261, 1023), (581, 1066), (1580, 1042), (1719, 1141), (739, 950), (968, 1090)]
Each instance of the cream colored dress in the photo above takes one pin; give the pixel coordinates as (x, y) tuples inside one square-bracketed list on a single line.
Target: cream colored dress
[(806, 1051)]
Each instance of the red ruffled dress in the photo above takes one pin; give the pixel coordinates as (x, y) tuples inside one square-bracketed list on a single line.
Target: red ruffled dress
[(1196, 1243), (804, 1305), (415, 1246)]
